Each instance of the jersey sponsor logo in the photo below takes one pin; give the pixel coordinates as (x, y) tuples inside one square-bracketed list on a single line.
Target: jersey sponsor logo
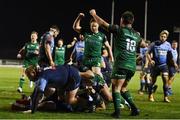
[(134, 37), (120, 76), (161, 52)]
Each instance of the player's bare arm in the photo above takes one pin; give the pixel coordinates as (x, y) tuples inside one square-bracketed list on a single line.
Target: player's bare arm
[(48, 53), (72, 43), (99, 20), (76, 24), (110, 51)]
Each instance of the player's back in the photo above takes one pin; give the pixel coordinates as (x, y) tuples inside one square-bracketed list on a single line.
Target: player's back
[(57, 76), (126, 41)]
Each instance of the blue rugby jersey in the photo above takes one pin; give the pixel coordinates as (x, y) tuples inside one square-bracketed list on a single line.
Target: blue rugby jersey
[(143, 54), (58, 77), (79, 50), (47, 38), (160, 51), (175, 55)]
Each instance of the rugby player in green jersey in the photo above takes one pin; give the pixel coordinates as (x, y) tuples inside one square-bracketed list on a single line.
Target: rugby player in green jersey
[(125, 41), (94, 40), (31, 52), (61, 49)]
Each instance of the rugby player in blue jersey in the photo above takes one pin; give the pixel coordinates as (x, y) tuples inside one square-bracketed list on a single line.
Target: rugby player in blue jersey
[(160, 49), (47, 47), (65, 77), (172, 69), (145, 74), (78, 51)]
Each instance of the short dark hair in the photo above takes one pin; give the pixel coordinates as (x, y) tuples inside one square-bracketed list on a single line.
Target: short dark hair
[(34, 32), (92, 20), (148, 42), (60, 39), (128, 17), (174, 41), (55, 27)]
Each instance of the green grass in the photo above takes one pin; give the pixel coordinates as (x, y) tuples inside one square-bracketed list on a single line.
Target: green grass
[(9, 78)]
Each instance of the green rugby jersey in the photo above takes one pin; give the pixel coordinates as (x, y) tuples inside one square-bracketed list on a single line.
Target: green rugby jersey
[(125, 41), (31, 58), (93, 43), (60, 55)]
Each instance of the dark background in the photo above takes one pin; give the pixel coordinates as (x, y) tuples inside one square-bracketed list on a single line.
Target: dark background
[(19, 17)]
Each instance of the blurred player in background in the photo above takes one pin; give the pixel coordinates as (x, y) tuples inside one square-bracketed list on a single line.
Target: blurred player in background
[(47, 46), (172, 69), (78, 51), (60, 51), (145, 74), (29, 53), (107, 68)]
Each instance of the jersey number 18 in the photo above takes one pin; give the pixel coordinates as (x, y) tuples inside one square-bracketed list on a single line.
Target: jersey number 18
[(131, 45)]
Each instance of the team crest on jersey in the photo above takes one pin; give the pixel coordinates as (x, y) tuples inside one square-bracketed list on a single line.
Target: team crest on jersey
[(89, 35), (100, 38)]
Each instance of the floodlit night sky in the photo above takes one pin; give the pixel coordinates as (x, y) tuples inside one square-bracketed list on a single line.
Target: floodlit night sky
[(20, 17)]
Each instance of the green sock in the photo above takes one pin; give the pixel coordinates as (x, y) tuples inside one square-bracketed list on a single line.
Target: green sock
[(122, 101), (21, 82), (127, 96), (116, 101), (99, 79)]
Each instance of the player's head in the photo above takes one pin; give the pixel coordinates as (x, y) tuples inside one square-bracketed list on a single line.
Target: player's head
[(60, 42), (34, 36), (94, 26), (148, 42), (81, 37), (174, 44), (55, 30), (127, 18), (32, 72), (164, 35)]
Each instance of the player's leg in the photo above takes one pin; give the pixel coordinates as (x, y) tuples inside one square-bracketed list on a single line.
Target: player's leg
[(71, 96), (98, 75), (21, 80), (171, 79), (118, 79), (126, 94), (106, 93), (142, 83), (165, 86), (148, 81), (87, 74), (154, 73), (116, 87), (165, 77), (75, 80), (147, 72), (172, 72)]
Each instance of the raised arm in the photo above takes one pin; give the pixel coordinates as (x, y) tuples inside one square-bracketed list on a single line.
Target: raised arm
[(72, 43), (76, 24), (99, 20)]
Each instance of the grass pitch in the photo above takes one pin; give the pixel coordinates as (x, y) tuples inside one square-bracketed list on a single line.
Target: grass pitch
[(9, 78)]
